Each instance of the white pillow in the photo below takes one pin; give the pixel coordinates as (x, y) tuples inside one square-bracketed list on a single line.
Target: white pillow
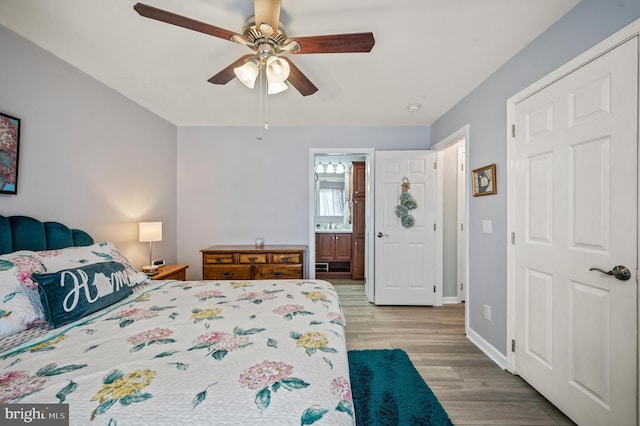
[(20, 305), (73, 257)]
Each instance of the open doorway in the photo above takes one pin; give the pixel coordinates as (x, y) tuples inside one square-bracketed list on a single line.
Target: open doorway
[(339, 216), (452, 196)]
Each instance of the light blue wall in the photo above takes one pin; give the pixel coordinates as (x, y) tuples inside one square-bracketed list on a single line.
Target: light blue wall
[(232, 188), (89, 157), (484, 110)]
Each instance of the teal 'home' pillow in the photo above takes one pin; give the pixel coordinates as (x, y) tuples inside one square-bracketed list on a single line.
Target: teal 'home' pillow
[(71, 294)]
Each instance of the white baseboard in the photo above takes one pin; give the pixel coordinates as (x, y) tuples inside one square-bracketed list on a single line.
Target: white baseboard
[(495, 355), (450, 300)]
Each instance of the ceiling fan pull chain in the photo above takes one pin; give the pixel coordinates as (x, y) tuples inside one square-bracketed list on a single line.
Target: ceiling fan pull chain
[(259, 138), (266, 102)]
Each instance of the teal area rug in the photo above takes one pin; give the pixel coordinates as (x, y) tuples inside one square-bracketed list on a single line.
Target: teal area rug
[(389, 391)]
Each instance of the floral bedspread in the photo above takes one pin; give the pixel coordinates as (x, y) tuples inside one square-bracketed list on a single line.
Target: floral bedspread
[(196, 353)]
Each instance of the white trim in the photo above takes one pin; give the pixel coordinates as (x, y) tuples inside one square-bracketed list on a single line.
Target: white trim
[(495, 355), (461, 210), (452, 139), (438, 300), (450, 300), (368, 153), (630, 31)]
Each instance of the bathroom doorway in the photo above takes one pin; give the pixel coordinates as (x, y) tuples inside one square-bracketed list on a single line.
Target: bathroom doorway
[(338, 252)]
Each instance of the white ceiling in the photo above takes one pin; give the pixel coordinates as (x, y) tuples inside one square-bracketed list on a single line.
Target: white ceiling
[(432, 52)]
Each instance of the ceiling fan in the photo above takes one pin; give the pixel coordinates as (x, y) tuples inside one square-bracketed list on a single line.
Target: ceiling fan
[(266, 36)]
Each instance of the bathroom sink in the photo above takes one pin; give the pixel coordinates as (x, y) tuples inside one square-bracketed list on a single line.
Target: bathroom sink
[(334, 231)]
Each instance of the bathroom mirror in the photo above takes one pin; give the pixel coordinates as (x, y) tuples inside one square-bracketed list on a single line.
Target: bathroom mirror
[(331, 197)]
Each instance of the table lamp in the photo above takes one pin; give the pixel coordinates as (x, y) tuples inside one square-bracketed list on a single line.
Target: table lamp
[(150, 232)]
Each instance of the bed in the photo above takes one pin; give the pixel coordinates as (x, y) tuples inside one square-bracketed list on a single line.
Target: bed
[(269, 352)]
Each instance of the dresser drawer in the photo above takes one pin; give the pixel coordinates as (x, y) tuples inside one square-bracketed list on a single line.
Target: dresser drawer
[(281, 271), (217, 258), (253, 258), (226, 272), (286, 258)]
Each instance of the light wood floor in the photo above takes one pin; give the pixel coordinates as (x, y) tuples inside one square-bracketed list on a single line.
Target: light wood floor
[(470, 386)]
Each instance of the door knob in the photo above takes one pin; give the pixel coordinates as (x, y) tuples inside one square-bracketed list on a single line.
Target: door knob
[(380, 235), (620, 272)]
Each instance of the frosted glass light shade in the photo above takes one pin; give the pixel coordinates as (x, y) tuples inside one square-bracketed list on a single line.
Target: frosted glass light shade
[(277, 69), (276, 87), (149, 231), (247, 73)]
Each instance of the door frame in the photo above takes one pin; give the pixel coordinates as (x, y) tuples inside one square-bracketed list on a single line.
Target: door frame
[(368, 153), (439, 147), (461, 251), (630, 31)]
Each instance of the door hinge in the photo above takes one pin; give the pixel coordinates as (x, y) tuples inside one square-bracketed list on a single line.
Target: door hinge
[(462, 226), (435, 165), (513, 130), (462, 167), (434, 288), (461, 286), (513, 238), (434, 226), (513, 345)]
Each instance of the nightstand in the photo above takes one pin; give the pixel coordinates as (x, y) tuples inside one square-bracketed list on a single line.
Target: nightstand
[(171, 272)]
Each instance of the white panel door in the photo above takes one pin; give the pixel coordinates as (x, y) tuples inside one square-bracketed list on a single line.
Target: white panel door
[(575, 207), (405, 257)]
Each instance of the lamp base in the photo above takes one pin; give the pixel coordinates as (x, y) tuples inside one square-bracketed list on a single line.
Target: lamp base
[(150, 269)]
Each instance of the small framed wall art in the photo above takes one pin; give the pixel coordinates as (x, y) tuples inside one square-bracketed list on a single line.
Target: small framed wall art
[(484, 180), (9, 147)]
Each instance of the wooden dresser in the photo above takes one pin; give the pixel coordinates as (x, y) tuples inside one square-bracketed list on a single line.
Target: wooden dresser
[(248, 262)]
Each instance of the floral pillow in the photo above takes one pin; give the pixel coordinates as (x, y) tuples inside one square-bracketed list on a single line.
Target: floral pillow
[(20, 305), (74, 257)]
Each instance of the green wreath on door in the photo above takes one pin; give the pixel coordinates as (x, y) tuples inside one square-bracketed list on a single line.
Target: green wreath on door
[(407, 203)]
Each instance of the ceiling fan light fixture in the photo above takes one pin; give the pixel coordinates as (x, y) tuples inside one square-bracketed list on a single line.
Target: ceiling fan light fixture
[(247, 73), (277, 69), (275, 87)]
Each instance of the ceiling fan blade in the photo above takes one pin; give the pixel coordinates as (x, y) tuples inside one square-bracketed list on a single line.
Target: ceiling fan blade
[(299, 80), (184, 22), (267, 11), (227, 74), (335, 43)]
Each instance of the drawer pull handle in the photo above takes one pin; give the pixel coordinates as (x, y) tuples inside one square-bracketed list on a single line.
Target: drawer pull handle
[(286, 259), (277, 274), (227, 274), (218, 259), (252, 259)]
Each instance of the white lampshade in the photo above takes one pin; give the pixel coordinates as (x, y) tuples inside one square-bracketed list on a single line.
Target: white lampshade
[(330, 168), (277, 70), (247, 73), (319, 168), (149, 231), (275, 87), (340, 168)]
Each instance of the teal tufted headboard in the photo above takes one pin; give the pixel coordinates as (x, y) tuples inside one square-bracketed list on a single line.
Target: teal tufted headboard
[(27, 233)]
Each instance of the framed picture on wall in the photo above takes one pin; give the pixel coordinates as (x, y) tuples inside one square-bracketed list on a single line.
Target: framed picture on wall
[(9, 147), (484, 180)]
